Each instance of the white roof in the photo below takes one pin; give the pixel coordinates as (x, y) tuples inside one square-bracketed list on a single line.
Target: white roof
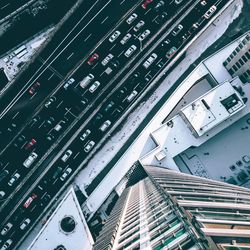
[(208, 111), (51, 235)]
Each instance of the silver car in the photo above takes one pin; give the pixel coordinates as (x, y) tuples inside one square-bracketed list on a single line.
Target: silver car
[(130, 51), (131, 18), (114, 36), (107, 59), (138, 26), (125, 38), (89, 146), (29, 161)]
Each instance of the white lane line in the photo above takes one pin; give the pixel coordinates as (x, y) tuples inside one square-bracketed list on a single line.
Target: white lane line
[(112, 46), (76, 155), (5, 6), (15, 115), (70, 55), (94, 66), (51, 76), (33, 96), (87, 37), (147, 12), (59, 104), (104, 19), (122, 2), (120, 54)]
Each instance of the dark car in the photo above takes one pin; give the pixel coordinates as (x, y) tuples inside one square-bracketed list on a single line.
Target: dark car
[(19, 141), (98, 119)]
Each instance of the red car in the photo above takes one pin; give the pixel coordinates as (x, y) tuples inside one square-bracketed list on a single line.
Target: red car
[(92, 59), (34, 88), (29, 200), (146, 3), (30, 144)]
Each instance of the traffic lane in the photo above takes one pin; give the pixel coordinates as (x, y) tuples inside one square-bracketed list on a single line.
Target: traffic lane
[(7, 6), (101, 23)]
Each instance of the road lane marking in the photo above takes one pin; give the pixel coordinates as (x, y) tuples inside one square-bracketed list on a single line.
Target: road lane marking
[(122, 2), (112, 46), (87, 37), (15, 115), (104, 19), (70, 55), (51, 76)]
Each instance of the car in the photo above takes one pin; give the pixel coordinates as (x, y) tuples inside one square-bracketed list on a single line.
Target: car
[(86, 80), (7, 244), (33, 89), (210, 12), (178, 1), (109, 106), (65, 174), (144, 35), (6, 229), (2, 194), (92, 59), (171, 52), (196, 25), (12, 127), (203, 3), (29, 200), (29, 161), (125, 38), (68, 83), (177, 30), (150, 60), (3, 174), (146, 3), (130, 50), (107, 59), (148, 77), (139, 25), (160, 18), (114, 36), (105, 125), (50, 102), (88, 146), (57, 172), (117, 112), (66, 156), (115, 64), (132, 96), (30, 144), (121, 93), (131, 18), (160, 64), (165, 43), (94, 86), (85, 135), (97, 119), (45, 199), (159, 6), (25, 223), (13, 179), (49, 122), (59, 125)]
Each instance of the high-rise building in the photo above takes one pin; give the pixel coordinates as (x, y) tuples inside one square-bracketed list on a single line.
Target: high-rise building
[(173, 210)]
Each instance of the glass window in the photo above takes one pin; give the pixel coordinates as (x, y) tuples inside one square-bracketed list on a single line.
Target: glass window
[(238, 49), (238, 64), (234, 53), (248, 55), (235, 68), (244, 41), (231, 71), (241, 45), (244, 58)]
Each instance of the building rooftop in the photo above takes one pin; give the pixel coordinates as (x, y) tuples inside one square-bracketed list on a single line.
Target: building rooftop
[(65, 227)]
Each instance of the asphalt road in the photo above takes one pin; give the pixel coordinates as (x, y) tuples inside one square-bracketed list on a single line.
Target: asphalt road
[(131, 76)]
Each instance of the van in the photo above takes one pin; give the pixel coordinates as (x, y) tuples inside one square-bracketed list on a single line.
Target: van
[(132, 96), (86, 80), (150, 60), (29, 161)]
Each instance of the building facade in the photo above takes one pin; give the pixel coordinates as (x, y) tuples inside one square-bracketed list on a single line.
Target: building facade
[(173, 210)]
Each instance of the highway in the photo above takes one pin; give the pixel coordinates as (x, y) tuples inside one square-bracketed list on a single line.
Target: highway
[(77, 120)]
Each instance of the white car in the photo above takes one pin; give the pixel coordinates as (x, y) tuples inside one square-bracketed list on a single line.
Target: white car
[(210, 12), (150, 60), (144, 35), (13, 179), (138, 26), (105, 125), (65, 174), (6, 244), (89, 146), (130, 51), (66, 156), (6, 229), (131, 18), (132, 96), (107, 59), (178, 1), (114, 36), (86, 80), (125, 38), (25, 223), (94, 86), (68, 83), (28, 162), (51, 100), (85, 135)]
